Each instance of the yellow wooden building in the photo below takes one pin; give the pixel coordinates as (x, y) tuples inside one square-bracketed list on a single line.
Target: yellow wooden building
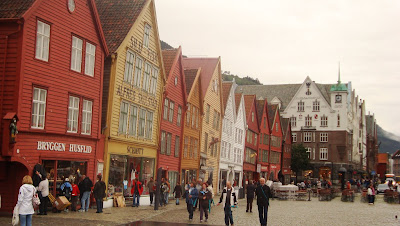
[(213, 111), (134, 80)]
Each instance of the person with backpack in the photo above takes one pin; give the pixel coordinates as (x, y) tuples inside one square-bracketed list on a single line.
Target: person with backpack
[(263, 193), (85, 188), (99, 193), (66, 189), (136, 191), (74, 195)]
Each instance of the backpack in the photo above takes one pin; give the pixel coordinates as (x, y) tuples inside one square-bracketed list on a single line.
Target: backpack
[(67, 192)]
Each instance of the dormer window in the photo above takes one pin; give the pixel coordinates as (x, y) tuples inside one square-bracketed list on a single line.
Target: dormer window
[(146, 37), (71, 6)]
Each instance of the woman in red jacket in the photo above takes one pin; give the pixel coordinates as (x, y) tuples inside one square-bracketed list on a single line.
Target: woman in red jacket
[(136, 191)]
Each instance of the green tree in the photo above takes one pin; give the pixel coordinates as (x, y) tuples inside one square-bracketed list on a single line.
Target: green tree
[(300, 160)]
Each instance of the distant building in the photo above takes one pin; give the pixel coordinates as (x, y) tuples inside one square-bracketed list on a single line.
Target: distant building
[(396, 163), (383, 165), (372, 144)]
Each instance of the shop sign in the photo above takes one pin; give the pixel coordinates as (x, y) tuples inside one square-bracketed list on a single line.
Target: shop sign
[(136, 97), (134, 151), (273, 167), (264, 168), (258, 168), (55, 146)]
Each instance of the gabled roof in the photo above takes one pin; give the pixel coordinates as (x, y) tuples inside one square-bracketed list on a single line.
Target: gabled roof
[(260, 105), (169, 57), (226, 90), (285, 126), (190, 76), (238, 97), (14, 8), (248, 104), (117, 18), (271, 114), (207, 65), (285, 92)]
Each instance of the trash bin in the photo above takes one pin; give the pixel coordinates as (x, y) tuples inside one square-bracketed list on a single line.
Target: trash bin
[(241, 193)]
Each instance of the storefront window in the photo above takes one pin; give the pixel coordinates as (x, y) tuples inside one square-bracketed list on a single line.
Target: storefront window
[(188, 176), (125, 169), (173, 178)]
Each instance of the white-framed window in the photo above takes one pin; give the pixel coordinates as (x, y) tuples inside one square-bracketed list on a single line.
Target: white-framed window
[(163, 142), (195, 147), (138, 71), (90, 59), (38, 108), (300, 106), (208, 113), (76, 54), (309, 152), (294, 137), (323, 154), (86, 117), (308, 120), (194, 115), (177, 144), (142, 122), (149, 125), (293, 121), (128, 73), (307, 136), (179, 118), (123, 117), (146, 77), (154, 77), (169, 139), (146, 38), (188, 114), (171, 111), (166, 108), (185, 146), (323, 137), (316, 105), (324, 121), (73, 113), (223, 149), (133, 115), (42, 41)]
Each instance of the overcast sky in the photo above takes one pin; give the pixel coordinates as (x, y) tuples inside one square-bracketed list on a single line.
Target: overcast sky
[(284, 41)]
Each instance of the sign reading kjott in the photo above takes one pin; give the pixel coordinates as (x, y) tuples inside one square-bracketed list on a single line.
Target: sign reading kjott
[(55, 146)]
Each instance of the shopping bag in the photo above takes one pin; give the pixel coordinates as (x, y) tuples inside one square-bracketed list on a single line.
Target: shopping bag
[(35, 201), (15, 218)]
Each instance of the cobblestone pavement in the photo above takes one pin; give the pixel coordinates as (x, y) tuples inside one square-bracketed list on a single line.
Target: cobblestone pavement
[(307, 213)]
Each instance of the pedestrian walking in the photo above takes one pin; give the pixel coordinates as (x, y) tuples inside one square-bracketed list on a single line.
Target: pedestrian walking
[(251, 188), (74, 195), (25, 201), (151, 187), (164, 192), (85, 189), (228, 199), (191, 199), (178, 192), (371, 194), (167, 192), (99, 193), (204, 198), (136, 191), (43, 191), (198, 187), (263, 193)]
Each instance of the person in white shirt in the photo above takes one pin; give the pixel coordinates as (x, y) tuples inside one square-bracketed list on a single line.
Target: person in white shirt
[(44, 191), (24, 204)]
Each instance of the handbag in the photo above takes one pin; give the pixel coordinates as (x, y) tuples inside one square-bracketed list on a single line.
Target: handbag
[(35, 201), (15, 218)]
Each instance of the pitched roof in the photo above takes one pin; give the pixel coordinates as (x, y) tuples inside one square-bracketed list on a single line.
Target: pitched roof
[(117, 18), (396, 155), (248, 103), (271, 114), (169, 57), (285, 126), (238, 97), (285, 92), (226, 89), (207, 66), (260, 104), (190, 76), (14, 8)]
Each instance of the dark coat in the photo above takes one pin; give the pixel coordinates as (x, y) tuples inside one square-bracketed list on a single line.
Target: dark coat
[(99, 190), (85, 185), (205, 202), (251, 188), (195, 194), (178, 191), (263, 197)]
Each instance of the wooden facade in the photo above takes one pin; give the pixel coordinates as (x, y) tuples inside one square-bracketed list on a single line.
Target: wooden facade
[(58, 106), (275, 142), (251, 139), (265, 137), (286, 150)]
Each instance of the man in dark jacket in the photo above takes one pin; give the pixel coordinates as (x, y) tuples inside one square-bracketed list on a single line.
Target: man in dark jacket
[(191, 199), (263, 193), (99, 192), (250, 196), (85, 188)]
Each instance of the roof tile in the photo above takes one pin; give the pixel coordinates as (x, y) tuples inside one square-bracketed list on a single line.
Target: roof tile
[(14, 8), (226, 89), (190, 76), (169, 59)]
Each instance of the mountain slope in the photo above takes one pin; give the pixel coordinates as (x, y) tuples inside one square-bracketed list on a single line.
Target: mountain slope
[(389, 141)]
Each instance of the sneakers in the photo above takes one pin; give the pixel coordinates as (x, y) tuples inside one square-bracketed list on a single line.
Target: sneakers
[(205, 220), (201, 221)]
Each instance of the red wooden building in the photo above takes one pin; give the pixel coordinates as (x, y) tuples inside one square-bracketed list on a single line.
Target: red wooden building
[(275, 142), (174, 108), (251, 142), (286, 150), (52, 56), (264, 140)]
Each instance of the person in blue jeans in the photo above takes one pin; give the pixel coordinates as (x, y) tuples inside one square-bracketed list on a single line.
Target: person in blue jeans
[(137, 189), (25, 205), (85, 188), (191, 199), (263, 193), (228, 199)]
